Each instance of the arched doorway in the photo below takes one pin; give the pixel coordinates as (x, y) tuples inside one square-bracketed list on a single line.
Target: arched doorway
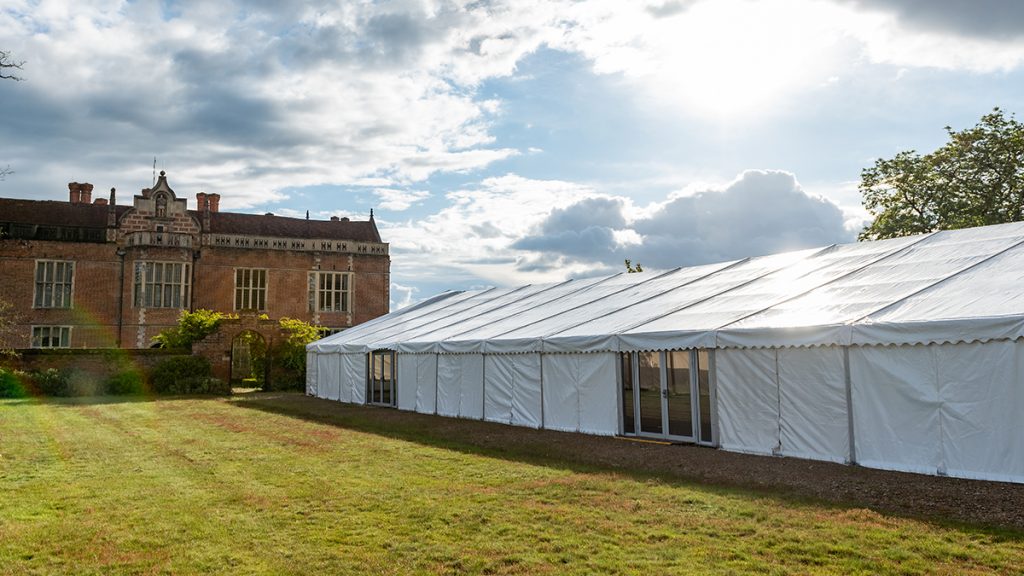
[(248, 359)]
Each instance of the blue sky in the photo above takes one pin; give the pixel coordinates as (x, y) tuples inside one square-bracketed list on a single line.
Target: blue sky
[(507, 142)]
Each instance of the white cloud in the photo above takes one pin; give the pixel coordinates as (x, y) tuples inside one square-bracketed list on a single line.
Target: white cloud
[(248, 99), (398, 200), (402, 296), (513, 230), (760, 212)]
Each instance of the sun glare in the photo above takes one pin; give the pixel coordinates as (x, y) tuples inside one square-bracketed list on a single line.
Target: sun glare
[(736, 58)]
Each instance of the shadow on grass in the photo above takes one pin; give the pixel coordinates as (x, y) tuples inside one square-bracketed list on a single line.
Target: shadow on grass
[(940, 501), (100, 400)]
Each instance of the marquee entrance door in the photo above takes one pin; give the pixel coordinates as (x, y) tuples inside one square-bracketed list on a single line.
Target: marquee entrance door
[(667, 395), (381, 384)]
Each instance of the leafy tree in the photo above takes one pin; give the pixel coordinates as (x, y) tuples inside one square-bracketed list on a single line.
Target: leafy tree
[(633, 269), (192, 327), (975, 179), (289, 356)]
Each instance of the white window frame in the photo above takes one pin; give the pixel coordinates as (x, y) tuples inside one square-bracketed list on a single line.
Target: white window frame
[(144, 292), (64, 287), (63, 336), (325, 296), (246, 290)]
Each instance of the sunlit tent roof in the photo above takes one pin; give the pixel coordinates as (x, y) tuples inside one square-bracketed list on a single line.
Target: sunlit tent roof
[(949, 286)]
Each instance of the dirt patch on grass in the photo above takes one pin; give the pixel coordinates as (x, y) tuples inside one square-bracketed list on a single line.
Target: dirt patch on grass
[(996, 504)]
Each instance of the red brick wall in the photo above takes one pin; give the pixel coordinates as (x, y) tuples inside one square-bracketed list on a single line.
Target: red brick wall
[(97, 281)]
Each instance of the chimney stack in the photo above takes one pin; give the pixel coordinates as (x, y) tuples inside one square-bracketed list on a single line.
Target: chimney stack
[(202, 204), (86, 193), (75, 192), (214, 200)]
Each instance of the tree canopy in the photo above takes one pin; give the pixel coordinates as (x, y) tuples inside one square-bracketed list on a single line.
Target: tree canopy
[(975, 179)]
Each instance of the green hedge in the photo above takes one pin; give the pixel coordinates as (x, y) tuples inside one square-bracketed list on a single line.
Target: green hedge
[(186, 375), (176, 375)]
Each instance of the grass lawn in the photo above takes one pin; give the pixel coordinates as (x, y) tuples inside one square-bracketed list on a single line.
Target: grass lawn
[(214, 485)]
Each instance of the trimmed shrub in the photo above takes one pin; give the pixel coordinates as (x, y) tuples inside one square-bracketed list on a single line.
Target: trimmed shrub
[(124, 383), (186, 375), (11, 385), (51, 382)]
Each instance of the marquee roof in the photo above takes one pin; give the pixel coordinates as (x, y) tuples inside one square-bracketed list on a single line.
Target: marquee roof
[(949, 286)]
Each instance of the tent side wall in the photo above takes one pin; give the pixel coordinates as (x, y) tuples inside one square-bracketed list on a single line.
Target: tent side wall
[(580, 392), (513, 389), (941, 409), (417, 382), (786, 401), (460, 385), (311, 378)]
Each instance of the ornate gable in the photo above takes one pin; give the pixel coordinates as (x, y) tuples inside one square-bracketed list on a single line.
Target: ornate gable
[(158, 210)]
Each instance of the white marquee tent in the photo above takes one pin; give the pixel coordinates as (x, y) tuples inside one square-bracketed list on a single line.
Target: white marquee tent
[(902, 354)]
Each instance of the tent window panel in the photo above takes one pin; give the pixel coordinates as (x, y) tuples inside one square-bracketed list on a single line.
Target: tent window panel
[(680, 407), (704, 396), (628, 418), (649, 385)]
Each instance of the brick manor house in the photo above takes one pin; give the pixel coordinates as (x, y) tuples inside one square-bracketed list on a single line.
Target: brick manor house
[(93, 274)]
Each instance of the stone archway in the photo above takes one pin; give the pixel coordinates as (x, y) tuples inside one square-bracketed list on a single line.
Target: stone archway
[(218, 347), (248, 359)]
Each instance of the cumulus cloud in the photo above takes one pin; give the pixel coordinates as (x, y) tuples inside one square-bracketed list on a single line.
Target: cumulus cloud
[(761, 212), (399, 200)]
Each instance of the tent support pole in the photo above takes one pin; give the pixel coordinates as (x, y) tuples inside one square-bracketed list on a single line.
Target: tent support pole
[(849, 404)]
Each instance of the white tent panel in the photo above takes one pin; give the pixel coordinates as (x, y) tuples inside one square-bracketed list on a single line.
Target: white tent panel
[(458, 318), (403, 327), (748, 400), (580, 393), (995, 312), (851, 298), (526, 301), (353, 378), (561, 313), (896, 408), (499, 378), (598, 394), (327, 369), (426, 383), (449, 384), (460, 381), (561, 391), (980, 386), (812, 403), (527, 403), (311, 374), (408, 316), (407, 383), (512, 389)]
